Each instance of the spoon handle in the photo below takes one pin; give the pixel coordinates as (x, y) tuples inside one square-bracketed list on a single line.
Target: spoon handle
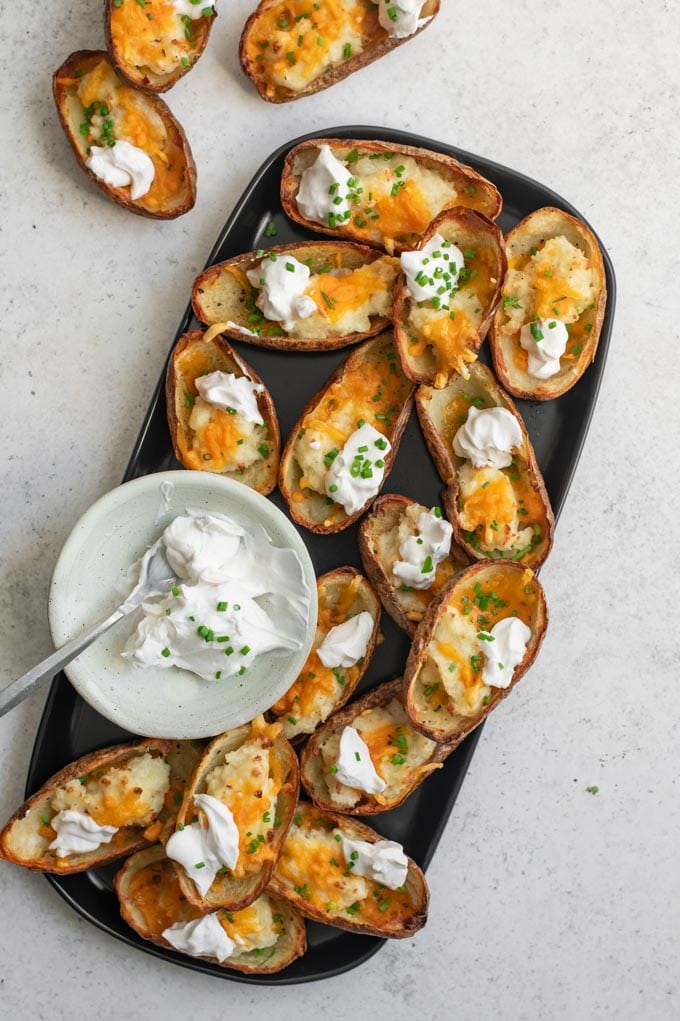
[(17, 690)]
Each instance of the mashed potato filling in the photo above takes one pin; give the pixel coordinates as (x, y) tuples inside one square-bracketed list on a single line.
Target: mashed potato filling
[(125, 795), (554, 281)]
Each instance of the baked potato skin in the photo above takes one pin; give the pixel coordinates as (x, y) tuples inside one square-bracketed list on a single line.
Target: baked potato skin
[(311, 770), (477, 191), (532, 230), (459, 727), (111, 756), (438, 433), (291, 945), (219, 355), (146, 79), (228, 891), (467, 229), (62, 82), (383, 519), (303, 512), (415, 885), (217, 295), (378, 44), (333, 586)]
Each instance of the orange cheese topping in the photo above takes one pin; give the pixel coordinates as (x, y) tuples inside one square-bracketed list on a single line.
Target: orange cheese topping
[(495, 503), (143, 34), (455, 341), (372, 389), (155, 896), (404, 214), (119, 812), (347, 292)]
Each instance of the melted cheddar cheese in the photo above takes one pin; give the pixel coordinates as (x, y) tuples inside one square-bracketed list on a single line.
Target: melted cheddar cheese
[(151, 37), (129, 794), (154, 897)]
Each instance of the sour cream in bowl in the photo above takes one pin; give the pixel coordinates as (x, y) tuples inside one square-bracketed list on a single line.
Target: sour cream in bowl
[(240, 564)]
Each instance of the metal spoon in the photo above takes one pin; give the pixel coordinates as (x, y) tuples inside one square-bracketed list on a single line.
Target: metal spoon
[(155, 574)]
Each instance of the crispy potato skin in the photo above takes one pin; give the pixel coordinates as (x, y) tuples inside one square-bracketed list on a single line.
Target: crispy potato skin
[(226, 891), (356, 830), (378, 44), (260, 476), (347, 254), (151, 82), (336, 583), (487, 197), (539, 226), (385, 514), (175, 131), (447, 463), (485, 574), (111, 756), (287, 472), (311, 775), (291, 945), (465, 228)]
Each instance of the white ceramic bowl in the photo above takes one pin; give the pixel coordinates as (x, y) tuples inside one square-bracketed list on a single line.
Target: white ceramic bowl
[(91, 578)]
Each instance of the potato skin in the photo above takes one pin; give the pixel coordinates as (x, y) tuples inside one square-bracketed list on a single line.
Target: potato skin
[(349, 254), (110, 756), (154, 83), (483, 573), (356, 830), (260, 476), (226, 891), (534, 228), (447, 463), (487, 197), (467, 229), (310, 769), (175, 131), (337, 582), (287, 471), (385, 514), (292, 943), (378, 45)]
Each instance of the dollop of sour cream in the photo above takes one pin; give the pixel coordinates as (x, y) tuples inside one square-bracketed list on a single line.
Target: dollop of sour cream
[(354, 764), (545, 341), (488, 437), (232, 393), (122, 164), (202, 937), (384, 861), (432, 272), (401, 18), (205, 846), (282, 281), (346, 643), (423, 552), (356, 473), (210, 623), (322, 195), (185, 8), (504, 649), (78, 833)]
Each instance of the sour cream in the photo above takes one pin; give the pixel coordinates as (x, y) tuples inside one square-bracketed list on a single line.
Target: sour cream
[(232, 393), (122, 164), (384, 861), (488, 437), (545, 341), (185, 8), (202, 937), (346, 643), (354, 764), (432, 272), (503, 650), (322, 195), (282, 281), (203, 848), (356, 473), (78, 833), (401, 18), (423, 552), (210, 622)]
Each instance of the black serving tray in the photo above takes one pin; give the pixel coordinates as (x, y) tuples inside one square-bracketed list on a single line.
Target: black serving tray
[(69, 728)]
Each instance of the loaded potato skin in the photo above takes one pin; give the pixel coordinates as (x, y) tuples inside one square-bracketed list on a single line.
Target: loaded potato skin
[(98, 111)]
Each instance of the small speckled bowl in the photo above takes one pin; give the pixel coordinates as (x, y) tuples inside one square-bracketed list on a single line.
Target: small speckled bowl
[(92, 576)]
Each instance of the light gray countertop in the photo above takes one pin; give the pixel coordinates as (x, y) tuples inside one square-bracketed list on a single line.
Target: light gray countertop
[(547, 901)]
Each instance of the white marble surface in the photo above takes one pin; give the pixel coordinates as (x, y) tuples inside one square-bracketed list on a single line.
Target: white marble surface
[(548, 902)]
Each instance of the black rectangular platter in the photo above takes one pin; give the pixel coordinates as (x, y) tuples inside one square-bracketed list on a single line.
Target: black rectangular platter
[(69, 728)]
